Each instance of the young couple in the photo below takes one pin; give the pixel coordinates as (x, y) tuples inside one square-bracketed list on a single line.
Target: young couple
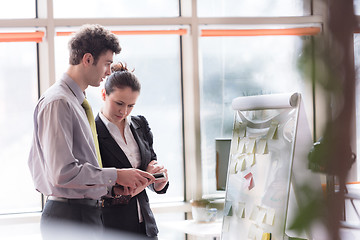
[(88, 178)]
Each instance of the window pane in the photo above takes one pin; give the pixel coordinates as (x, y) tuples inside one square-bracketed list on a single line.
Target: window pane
[(357, 67), (11, 9), (18, 96), (357, 7), (240, 66), (115, 8), (259, 8), (156, 60)]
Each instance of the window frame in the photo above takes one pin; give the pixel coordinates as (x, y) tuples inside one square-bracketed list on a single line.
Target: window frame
[(189, 65)]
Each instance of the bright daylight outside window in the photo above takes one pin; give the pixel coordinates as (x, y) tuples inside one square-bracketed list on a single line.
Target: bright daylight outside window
[(259, 8), (11, 9), (357, 68), (240, 66), (18, 96), (156, 60), (115, 8)]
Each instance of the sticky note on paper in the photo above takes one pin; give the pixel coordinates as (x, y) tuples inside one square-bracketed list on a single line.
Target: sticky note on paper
[(242, 130), (250, 148), (260, 218), (262, 147), (250, 160), (234, 143), (241, 210), (241, 146), (230, 213), (266, 236), (259, 233), (243, 165), (240, 164), (226, 224), (272, 133), (250, 184), (270, 216), (252, 232), (254, 213)]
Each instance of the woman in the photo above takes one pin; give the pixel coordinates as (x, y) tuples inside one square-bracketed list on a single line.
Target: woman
[(127, 142)]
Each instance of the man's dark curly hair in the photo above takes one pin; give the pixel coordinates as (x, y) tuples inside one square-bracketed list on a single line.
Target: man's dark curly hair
[(93, 39)]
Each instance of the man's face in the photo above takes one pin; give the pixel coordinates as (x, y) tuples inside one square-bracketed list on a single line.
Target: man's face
[(99, 71)]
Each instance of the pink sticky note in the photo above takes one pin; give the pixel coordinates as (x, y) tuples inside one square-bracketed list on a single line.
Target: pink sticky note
[(249, 181)]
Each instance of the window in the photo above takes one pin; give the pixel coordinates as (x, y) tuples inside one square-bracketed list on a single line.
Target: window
[(18, 96), (240, 66), (260, 8), (206, 73), (17, 9), (156, 60), (357, 7), (357, 99), (115, 8)]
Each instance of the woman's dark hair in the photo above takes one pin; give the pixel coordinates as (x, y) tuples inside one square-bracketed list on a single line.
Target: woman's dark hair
[(94, 39), (121, 77)]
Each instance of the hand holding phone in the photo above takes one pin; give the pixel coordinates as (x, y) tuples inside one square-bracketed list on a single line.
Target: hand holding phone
[(159, 175)]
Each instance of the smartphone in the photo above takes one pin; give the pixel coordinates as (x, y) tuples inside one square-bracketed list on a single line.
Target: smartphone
[(159, 175)]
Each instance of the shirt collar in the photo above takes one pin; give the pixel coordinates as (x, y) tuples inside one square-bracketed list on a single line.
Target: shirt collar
[(74, 87), (108, 123)]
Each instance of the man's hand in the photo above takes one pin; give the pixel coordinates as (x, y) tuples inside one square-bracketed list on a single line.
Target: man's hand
[(133, 178)]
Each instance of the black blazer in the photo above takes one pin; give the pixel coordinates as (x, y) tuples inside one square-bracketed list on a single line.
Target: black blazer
[(125, 217)]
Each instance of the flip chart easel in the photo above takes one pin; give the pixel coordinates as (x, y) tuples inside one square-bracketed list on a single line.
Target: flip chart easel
[(267, 165)]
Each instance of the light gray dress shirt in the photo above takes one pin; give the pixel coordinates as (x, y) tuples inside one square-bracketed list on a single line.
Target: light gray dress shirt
[(62, 158)]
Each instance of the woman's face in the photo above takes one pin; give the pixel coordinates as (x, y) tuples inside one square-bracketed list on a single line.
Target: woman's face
[(119, 103)]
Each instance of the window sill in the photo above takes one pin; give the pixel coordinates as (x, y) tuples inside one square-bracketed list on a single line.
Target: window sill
[(173, 207), (26, 218), (20, 218)]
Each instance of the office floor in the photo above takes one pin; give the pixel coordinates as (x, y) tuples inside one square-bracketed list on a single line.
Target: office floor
[(31, 231), (20, 230)]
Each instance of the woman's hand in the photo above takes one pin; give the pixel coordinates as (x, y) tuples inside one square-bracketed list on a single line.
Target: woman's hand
[(152, 168), (121, 190)]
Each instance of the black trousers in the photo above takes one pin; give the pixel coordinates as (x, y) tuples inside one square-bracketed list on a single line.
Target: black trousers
[(62, 220), (70, 221)]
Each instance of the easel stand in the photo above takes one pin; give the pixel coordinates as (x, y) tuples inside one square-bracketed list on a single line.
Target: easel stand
[(267, 164)]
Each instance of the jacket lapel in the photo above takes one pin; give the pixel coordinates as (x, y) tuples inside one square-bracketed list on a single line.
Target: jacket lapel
[(110, 144), (137, 132)]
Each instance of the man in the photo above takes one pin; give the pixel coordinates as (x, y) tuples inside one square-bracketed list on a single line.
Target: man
[(63, 158)]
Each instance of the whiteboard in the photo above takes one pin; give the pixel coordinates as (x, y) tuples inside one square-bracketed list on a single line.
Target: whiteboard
[(260, 165)]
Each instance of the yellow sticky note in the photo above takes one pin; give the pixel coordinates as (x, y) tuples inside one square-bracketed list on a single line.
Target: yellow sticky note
[(241, 210), (234, 143), (260, 218), (241, 146), (254, 213), (259, 233), (226, 224), (272, 133), (266, 236), (240, 164), (242, 130), (270, 216), (252, 232), (250, 147), (261, 147), (250, 160)]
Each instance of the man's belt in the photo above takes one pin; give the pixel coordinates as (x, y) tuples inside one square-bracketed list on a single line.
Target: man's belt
[(80, 201)]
